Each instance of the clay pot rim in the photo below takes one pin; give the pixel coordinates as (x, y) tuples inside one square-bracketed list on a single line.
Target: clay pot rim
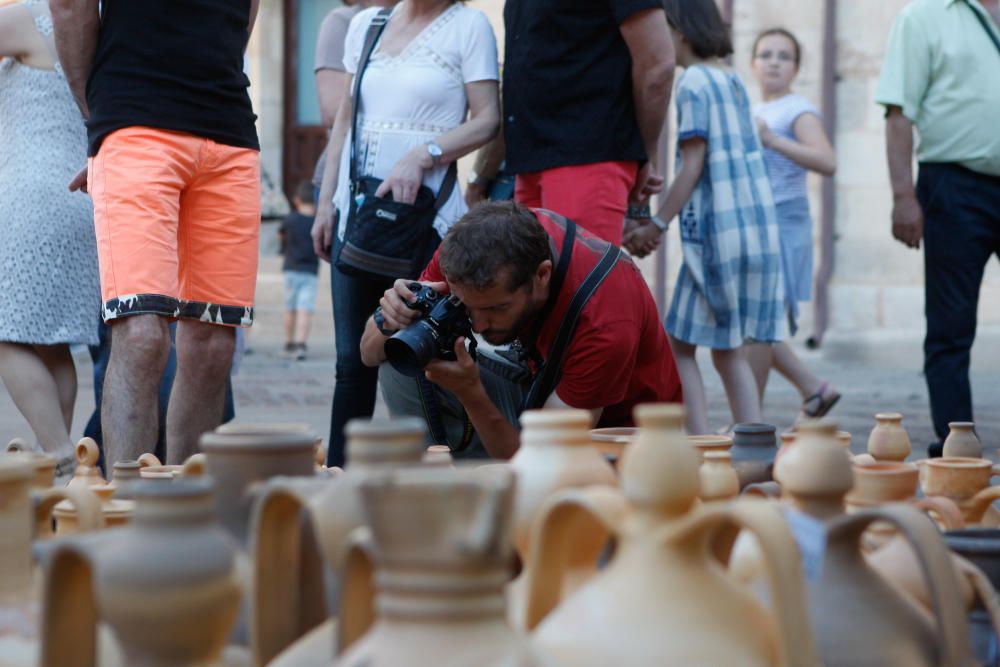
[(707, 439), (885, 468), (958, 462), (754, 428), (222, 443), (185, 487), (968, 425), (564, 418), (263, 428), (16, 466), (718, 455), (622, 435), (888, 416)]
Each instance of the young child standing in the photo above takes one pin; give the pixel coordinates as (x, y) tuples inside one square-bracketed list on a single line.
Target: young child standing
[(729, 289), (300, 268), (794, 142)]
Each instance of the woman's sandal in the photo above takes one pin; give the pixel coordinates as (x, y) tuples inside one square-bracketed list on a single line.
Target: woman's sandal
[(65, 467), (823, 402)]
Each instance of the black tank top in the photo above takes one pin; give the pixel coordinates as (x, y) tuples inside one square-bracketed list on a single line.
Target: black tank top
[(172, 65)]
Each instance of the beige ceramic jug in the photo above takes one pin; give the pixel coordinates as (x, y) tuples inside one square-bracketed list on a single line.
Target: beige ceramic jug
[(309, 523), (555, 453), (663, 599), (440, 541), (962, 441), (22, 511), (166, 584), (888, 440), (116, 512), (860, 618)]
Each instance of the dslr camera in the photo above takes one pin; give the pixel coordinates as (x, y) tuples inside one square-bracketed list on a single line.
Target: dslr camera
[(443, 320)]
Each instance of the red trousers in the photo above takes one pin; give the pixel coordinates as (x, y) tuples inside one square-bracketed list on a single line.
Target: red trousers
[(594, 196)]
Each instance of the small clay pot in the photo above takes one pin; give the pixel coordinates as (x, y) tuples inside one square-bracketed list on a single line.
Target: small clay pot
[(710, 443), (719, 480), (888, 440), (962, 441), (957, 478), (883, 482), (438, 455), (116, 512)]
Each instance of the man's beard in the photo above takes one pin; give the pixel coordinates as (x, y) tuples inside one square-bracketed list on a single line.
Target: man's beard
[(504, 336)]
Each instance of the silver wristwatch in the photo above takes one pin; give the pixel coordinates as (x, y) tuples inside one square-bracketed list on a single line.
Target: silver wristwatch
[(435, 152)]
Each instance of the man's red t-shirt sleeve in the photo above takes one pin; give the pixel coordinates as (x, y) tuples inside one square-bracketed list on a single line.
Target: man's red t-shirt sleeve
[(432, 272), (598, 366)]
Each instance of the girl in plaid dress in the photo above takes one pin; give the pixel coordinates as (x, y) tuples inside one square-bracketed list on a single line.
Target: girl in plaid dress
[(729, 291)]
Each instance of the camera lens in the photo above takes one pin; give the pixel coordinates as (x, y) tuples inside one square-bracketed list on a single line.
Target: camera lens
[(410, 350)]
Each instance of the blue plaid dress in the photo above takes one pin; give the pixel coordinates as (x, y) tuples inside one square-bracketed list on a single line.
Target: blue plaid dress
[(729, 289)]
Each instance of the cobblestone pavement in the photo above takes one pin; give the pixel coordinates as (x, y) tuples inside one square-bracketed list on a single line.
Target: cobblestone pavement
[(269, 387)]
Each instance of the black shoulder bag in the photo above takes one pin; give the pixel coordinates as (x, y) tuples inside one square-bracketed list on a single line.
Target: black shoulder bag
[(384, 238)]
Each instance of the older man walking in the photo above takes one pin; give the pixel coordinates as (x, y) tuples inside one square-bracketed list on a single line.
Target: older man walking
[(174, 175), (942, 75)]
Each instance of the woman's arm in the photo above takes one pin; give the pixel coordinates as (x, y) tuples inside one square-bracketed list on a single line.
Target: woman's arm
[(19, 39), (323, 231), (482, 125), (810, 149)]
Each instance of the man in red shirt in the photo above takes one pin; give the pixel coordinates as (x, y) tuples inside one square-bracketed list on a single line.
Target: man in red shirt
[(502, 260)]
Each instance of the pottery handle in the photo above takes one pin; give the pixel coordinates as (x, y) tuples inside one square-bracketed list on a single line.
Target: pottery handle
[(69, 610), (984, 590), (287, 572), (781, 559), (935, 562), (947, 512), (148, 460), (570, 524), (87, 452), (976, 506), (89, 515), (194, 466), (357, 594)]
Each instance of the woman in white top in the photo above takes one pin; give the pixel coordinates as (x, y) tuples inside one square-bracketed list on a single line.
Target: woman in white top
[(428, 97)]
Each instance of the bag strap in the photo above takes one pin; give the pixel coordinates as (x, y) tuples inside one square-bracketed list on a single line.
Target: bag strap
[(375, 30), (559, 274), (546, 381), (986, 26)]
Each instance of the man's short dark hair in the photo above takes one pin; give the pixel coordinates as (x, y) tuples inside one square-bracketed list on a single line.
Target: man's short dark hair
[(702, 26), (490, 238), (304, 192)]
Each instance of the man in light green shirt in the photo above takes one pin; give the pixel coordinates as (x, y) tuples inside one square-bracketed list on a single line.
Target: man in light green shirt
[(942, 74)]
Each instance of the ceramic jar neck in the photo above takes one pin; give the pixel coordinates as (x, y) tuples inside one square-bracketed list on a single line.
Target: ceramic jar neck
[(461, 592), (174, 512)]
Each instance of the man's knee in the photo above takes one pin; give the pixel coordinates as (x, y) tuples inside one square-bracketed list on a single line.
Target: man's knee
[(143, 340), (209, 347)]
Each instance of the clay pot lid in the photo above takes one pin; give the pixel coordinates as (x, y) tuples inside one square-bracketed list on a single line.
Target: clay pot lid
[(16, 466), (222, 443), (615, 434)]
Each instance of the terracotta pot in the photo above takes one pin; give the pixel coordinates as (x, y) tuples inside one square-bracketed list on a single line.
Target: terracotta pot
[(87, 473), (308, 522), (718, 479), (883, 482), (957, 478), (710, 443), (124, 472), (859, 617), (116, 512), (962, 441), (44, 464), (662, 590), (612, 441), (439, 455), (440, 541), (888, 440), (166, 584), (845, 439), (151, 469), (754, 449), (23, 512), (555, 453)]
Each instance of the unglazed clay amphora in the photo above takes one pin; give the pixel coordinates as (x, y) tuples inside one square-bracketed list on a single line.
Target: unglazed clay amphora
[(167, 584), (555, 453), (440, 541), (308, 522), (664, 599), (888, 440), (860, 618), (22, 511), (754, 449), (962, 441)]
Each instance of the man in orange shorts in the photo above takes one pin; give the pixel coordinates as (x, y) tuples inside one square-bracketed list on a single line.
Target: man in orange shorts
[(174, 176)]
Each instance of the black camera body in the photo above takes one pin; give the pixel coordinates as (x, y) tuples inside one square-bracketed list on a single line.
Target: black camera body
[(444, 319)]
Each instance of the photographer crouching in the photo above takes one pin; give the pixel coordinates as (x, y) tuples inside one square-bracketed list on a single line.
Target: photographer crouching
[(566, 318)]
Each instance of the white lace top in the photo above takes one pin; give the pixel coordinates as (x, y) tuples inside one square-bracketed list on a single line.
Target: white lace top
[(416, 96)]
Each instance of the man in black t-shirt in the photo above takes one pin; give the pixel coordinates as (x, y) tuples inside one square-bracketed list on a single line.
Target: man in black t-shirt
[(586, 86), (174, 172)]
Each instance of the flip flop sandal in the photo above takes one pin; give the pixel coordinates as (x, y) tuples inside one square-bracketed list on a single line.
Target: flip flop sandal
[(66, 466), (823, 403)]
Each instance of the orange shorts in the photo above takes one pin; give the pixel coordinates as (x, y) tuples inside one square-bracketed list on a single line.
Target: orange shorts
[(178, 222)]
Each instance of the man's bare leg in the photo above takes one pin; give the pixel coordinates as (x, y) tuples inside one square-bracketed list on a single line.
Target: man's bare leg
[(204, 356), (140, 345)]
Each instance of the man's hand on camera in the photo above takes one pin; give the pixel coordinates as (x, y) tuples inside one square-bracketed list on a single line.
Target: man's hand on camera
[(460, 377), (397, 314)]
